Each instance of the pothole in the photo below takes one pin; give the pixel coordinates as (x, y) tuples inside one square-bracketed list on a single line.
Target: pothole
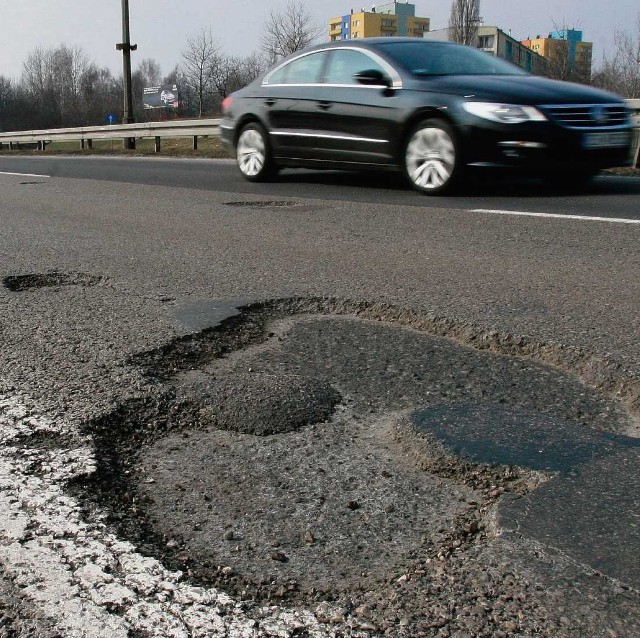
[(20, 283), (306, 458)]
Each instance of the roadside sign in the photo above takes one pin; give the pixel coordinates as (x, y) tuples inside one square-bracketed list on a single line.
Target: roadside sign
[(160, 97)]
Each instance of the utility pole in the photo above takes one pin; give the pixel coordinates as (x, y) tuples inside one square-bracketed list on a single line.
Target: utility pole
[(126, 47)]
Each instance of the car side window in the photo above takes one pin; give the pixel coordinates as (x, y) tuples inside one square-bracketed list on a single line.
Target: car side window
[(304, 70), (343, 63)]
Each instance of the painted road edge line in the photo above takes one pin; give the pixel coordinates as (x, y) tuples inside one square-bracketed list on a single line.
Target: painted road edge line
[(613, 220), (73, 571), (24, 174)]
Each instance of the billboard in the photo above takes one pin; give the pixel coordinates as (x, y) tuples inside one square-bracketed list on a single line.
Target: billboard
[(160, 97)]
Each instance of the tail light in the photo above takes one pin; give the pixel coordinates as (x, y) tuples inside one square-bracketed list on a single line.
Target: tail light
[(226, 104)]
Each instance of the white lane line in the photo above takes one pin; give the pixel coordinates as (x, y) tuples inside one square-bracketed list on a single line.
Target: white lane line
[(613, 220), (76, 573), (24, 174)]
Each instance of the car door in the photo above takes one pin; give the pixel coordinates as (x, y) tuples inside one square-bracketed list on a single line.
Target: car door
[(290, 97), (359, 119)]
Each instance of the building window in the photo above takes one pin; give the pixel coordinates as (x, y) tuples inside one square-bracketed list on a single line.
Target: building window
[(356, 23), (486, 41), (388, 23), (509, 50), (346, 25)]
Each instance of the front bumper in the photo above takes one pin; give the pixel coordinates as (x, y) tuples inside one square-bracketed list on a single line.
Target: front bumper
[(547, 147), (227, 136)]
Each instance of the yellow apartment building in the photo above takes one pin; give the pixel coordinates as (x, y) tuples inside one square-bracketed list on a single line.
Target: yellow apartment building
[(387, 20), (566, 51)]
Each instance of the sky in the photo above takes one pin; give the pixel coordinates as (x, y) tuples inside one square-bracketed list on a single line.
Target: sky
[(160, 28)]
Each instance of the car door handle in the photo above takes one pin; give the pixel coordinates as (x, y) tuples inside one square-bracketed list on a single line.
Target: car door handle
[(270, 101), (325, 105)]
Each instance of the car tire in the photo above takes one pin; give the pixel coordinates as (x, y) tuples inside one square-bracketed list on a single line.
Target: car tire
[(253, 153), (431, 158)]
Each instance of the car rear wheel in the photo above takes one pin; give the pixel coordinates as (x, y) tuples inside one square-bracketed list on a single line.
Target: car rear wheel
[(253, 153), (431, 158)]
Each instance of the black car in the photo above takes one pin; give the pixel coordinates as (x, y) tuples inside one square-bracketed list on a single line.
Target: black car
[(430, 109)]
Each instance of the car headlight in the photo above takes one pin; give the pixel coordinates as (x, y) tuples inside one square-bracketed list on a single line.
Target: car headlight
[(504, 113)]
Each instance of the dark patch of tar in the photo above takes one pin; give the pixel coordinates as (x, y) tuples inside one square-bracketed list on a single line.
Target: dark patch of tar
[(262, 204), (499, 435), (32, 281)]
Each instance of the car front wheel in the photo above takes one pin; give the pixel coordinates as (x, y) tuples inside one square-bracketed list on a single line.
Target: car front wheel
[(253, 153), (431, 158)]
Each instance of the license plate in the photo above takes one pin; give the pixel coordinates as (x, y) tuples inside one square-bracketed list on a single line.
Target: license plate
[(605, 139)]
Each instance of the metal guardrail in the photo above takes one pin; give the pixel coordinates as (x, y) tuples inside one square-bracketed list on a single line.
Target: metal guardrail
[(87, 134), (178, 128)]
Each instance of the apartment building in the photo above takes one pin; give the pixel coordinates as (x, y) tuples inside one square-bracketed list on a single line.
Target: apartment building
[(385, 20), (567, 54), (496, 42)]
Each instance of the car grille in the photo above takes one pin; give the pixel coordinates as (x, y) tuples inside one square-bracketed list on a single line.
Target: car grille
[(583, 116)]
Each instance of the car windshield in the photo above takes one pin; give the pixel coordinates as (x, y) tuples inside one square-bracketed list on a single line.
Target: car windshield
[(443, 58)]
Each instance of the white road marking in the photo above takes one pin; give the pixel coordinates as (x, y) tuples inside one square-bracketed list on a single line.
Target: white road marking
[(613, 220), (79, 575), (24, 174)]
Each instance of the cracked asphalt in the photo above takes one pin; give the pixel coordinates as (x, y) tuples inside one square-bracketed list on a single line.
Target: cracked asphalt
[(323, 419)]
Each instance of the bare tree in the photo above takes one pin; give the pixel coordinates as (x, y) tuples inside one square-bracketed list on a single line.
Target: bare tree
[(7, 102), (36, 86), (288, 30), (251, 68), (147, 73), (69, 67), (199, 59), (102, 94), (558, 59), (60, 87), (621, 72), (463, 21), (53, 79), (232, 73), (150, 72)]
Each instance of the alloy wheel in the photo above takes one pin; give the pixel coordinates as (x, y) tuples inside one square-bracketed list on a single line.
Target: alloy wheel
[(430, 158), (251, 152)]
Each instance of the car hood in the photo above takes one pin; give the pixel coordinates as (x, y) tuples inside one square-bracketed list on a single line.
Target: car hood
[(519, 89)]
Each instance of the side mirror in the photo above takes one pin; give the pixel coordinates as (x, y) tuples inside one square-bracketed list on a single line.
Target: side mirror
[(372, 77)]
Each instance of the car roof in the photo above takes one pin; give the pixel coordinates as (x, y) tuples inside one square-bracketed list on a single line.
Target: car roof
[(360, 43)]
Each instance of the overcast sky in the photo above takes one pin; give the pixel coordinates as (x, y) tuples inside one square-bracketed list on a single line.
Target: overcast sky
[(161, 27)]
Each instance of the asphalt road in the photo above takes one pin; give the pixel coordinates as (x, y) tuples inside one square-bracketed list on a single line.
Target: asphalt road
[(111, 268), (610, 195)]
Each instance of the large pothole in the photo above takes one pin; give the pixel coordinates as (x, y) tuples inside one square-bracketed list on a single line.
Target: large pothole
[(292, 458)]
